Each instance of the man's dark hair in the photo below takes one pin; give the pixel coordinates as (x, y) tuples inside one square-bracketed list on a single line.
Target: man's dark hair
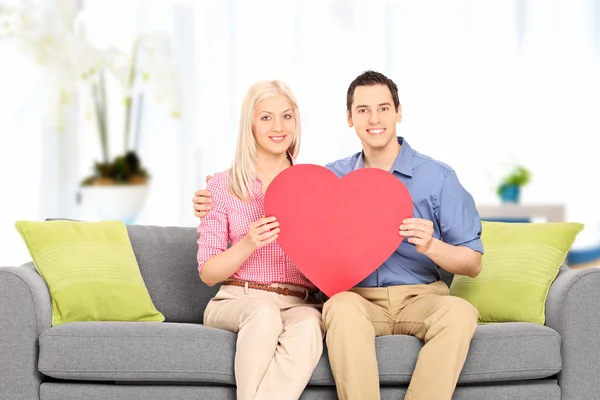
[(372, 78)]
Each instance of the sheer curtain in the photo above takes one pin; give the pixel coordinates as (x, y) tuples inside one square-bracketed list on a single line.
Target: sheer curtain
[(41, 168), (483, 85), (21, 147)]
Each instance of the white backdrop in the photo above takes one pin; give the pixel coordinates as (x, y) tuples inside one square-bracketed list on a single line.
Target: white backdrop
[(483, 85)]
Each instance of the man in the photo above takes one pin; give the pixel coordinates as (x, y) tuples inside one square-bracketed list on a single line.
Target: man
[(405, 295)]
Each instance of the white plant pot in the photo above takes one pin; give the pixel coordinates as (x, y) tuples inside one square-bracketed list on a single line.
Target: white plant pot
[(120, 202)]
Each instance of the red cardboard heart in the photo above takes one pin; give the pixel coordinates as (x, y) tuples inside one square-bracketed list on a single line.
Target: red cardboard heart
[(338, 231)]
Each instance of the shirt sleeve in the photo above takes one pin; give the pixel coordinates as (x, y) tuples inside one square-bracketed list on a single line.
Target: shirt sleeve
[(213, 230), (459, 220)]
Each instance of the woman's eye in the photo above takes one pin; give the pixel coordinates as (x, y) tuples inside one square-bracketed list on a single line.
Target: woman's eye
[(287, 116), (265, 118)]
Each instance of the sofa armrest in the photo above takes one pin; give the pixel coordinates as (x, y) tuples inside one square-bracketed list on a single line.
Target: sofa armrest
[(573, 310), (25, 312)]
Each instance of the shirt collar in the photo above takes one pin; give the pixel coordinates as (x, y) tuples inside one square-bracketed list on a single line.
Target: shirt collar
[(403, 163)]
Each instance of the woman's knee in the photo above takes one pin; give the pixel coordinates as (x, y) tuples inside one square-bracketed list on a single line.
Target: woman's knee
[(307, 321), (263, 314), (310, 329)]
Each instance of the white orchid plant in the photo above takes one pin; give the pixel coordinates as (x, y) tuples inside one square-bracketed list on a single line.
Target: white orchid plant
[(51, 33)]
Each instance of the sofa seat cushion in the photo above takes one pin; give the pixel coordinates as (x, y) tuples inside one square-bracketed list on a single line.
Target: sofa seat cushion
[(174, 352), (498, 352), (137, 351)]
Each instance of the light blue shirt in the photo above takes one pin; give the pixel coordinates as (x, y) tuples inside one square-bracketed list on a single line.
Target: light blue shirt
[(438, 196)]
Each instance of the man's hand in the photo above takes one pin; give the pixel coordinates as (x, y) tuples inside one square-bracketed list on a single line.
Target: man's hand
[(458, 260), (419, 232), (202, 201)]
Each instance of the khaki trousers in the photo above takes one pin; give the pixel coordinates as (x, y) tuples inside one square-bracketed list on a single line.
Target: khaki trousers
[(280, 340), (444, 323)]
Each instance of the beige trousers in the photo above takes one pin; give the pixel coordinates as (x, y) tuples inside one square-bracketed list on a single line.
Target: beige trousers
[(444, 323), (280, 340)]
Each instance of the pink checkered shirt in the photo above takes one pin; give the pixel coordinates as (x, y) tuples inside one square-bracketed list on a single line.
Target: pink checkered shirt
[(229, 221)]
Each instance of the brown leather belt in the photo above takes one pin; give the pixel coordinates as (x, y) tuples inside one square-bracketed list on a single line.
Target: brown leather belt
[(304, 295)]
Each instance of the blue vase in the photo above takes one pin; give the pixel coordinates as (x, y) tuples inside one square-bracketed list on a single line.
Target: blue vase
[(510, 194)]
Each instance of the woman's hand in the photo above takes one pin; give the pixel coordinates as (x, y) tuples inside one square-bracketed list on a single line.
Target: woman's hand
[(263, 232)]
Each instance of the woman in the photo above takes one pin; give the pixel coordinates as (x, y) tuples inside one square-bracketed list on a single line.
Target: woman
[(263, 296)]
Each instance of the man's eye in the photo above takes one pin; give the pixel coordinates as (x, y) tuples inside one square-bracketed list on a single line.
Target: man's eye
[(362, 110), (384, 108)]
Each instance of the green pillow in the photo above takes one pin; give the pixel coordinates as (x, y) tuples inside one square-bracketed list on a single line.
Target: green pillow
[(520, 262), (90, 269)]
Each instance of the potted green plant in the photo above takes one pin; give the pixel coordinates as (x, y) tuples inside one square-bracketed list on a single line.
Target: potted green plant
[(510, 186)]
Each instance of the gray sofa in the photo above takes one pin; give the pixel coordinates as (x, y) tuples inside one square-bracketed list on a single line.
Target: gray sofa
[(182, 359)]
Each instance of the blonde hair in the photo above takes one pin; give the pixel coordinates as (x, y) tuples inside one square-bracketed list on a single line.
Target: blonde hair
[(242, 173)]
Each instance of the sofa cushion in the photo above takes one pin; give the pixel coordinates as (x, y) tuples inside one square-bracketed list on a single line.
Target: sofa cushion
[(520, 263), (532, 390), (499, 352), (167, 260), (90, 270), (123, 351), (188, 352)]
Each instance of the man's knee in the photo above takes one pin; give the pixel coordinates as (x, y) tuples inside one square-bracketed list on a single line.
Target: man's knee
[(343, 306), (461, 313)]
